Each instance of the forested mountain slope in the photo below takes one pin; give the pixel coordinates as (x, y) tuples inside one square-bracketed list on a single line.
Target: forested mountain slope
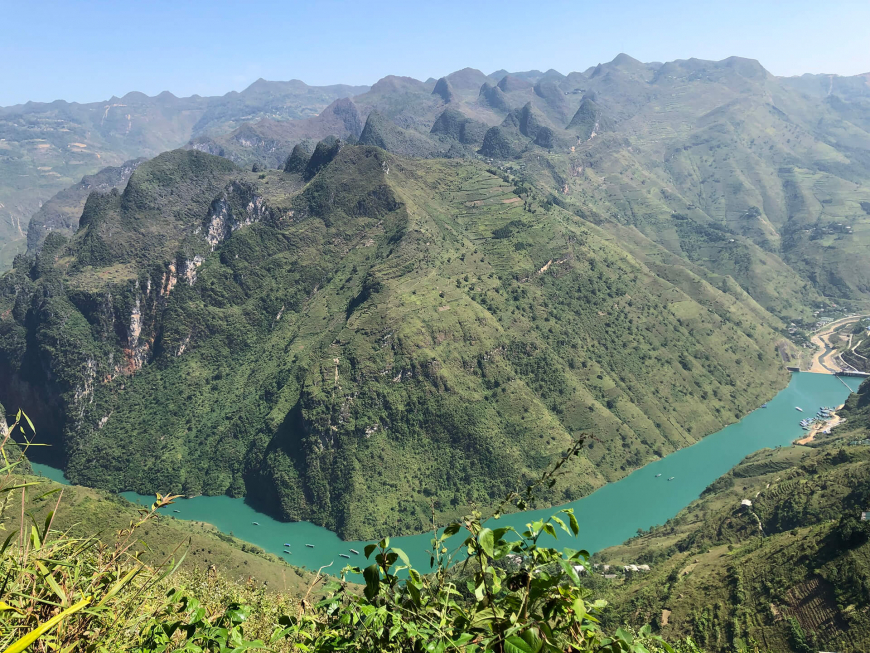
[(46, 147), (362, 339)]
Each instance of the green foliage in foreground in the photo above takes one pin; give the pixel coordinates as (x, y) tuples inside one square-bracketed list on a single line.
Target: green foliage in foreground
[(62, 593)]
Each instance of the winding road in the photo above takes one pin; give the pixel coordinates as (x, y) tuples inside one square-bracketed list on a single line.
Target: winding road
[(822, 361)]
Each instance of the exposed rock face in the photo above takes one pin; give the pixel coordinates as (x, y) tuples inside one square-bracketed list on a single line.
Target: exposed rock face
[(444, 90), (238, 206), (137, 349)]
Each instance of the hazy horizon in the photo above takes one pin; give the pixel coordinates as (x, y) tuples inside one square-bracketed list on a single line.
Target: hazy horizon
[(90, 52), (372, 82)]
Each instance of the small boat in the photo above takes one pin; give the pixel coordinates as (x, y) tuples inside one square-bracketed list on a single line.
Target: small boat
[(355, 552), (287, 544), (255, 523), (310, 546), (799, 408), (764, 405), (343, 555), (176, 511), (657, 475), (288, 553), (672, 478)]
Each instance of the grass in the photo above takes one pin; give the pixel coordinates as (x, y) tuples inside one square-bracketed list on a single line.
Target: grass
[(730, 588)]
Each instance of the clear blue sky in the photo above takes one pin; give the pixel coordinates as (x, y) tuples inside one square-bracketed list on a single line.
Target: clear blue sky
[(89, 51)]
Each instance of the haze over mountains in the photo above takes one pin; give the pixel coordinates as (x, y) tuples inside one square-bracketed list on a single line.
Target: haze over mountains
[(46, 147), (463, 272)]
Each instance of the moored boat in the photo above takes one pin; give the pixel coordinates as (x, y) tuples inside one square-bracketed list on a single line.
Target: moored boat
[(343, 555), (354, 551)]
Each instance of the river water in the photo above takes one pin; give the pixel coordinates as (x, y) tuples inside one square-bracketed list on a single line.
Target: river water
[(607, 517)]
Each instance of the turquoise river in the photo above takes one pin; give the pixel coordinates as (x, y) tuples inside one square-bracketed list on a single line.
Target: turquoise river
[(608, 516)]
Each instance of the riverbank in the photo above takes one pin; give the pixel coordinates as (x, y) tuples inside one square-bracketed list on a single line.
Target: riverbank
[(819, 427), (610, 515)]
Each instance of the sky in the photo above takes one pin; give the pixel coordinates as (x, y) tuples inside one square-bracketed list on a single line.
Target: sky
[(89, 51)]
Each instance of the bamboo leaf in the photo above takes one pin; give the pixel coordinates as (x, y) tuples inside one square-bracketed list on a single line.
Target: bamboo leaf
[(120, 584), (22, 644)]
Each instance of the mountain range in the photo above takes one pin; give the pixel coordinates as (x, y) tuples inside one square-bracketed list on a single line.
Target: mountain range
[(360, 306), (47, 147)]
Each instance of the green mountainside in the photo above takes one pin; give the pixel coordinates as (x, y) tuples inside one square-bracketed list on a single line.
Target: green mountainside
[(392, 335), (786, 573), (749, 176), (757, 178), (47, 147), (62, 212), (368, 307)]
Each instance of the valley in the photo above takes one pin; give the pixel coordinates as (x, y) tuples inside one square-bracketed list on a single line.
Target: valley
[(782, 572), (327, 315), (641, 500), (416, 318)]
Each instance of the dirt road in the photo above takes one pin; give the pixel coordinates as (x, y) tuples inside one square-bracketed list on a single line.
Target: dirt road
[(823, 360)]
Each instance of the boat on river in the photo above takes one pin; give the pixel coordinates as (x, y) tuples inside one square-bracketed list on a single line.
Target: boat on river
[(764, 405), (255, 523), (310, 546), (799, 408), (657, 475), (355, 552), (672, 478), (176, 511), (343, 555), (287, 544), (288, 553)]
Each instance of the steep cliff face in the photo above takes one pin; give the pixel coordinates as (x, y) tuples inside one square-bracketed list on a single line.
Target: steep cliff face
[(393, 334), (238, 206)]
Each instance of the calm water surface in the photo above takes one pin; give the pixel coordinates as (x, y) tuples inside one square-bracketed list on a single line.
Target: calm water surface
[(609, 516)]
